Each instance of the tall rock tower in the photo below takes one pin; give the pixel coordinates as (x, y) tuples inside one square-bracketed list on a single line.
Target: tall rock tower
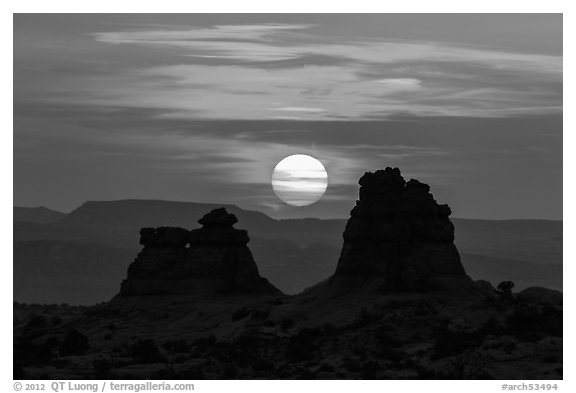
[(398, 234), (212, 259)]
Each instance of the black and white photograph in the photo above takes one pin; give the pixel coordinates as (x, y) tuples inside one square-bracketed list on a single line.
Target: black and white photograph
[(288, 196)]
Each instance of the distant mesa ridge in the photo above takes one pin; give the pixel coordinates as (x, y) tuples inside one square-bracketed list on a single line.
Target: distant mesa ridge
[(398, 234), (212, 259), (38, 215)]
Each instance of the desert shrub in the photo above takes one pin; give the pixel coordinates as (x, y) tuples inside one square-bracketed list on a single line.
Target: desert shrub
[(259, 314), (286, 323), (425, 372), (243, 351), (383, 336), (306, 374), (101, 367), (37, 322), (18, 371), (386, 345), (230, 372), (326, 328), (351, 365), (240, 314), (468, 365), (531, 335), (176, 346), (365, 318), (552, 359), (24, 352), (276, 302), (75, 343), (407, 363), (208, 362), (302, 345), (205, 342), (45, 351), (559, 370), (504, 289), (509, 347), (55, 320), (180, 358), (190, 373), (326, 368), (60, 363), (145, 351), (492, 327), (424, 309), (496, 302), (396, 356), (370, 369), (532, 323), (450, 342), (263, 365), (99, 311)]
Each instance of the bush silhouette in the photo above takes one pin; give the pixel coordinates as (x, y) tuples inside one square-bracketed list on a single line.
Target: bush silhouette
[(505, 289), (365, 318), (145, 351), (37, 322), (45, 351), (101, 367), (240, 314), (75, 343), (204, 343), (286, 323), (450, 342), (177, 346), (301, 346), (530, 323)]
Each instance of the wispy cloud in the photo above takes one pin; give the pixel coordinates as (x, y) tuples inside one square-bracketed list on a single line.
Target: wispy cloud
[(263, 43), (298, 109), (368, 79), (268, 71), (238, 42), (187, 37)]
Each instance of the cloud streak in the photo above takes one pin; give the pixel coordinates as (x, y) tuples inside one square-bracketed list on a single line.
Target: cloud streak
[(260, 43), (368, 79)]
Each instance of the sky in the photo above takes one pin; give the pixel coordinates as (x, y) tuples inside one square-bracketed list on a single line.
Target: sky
[(201, 108)]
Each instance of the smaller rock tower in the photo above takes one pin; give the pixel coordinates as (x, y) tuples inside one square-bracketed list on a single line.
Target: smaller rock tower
[(216, 260)]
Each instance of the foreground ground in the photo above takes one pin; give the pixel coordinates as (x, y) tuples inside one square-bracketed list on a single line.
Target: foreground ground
[(387, 336)]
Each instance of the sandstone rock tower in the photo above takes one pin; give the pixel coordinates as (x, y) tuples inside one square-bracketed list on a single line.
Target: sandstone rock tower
[(398, 234), (212, 259)]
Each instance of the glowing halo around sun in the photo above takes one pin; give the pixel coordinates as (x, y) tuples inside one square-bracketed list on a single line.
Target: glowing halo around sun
[(299, 180)]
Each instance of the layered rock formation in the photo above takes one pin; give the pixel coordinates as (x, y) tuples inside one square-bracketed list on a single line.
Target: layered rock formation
[(212, 259), (398, 234)]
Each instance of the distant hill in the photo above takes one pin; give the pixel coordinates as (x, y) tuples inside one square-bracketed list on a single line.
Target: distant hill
[(68, 272), (537, 241), (293, 254), (135, 214), (534, 241), (38, 215), (523, 273)]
